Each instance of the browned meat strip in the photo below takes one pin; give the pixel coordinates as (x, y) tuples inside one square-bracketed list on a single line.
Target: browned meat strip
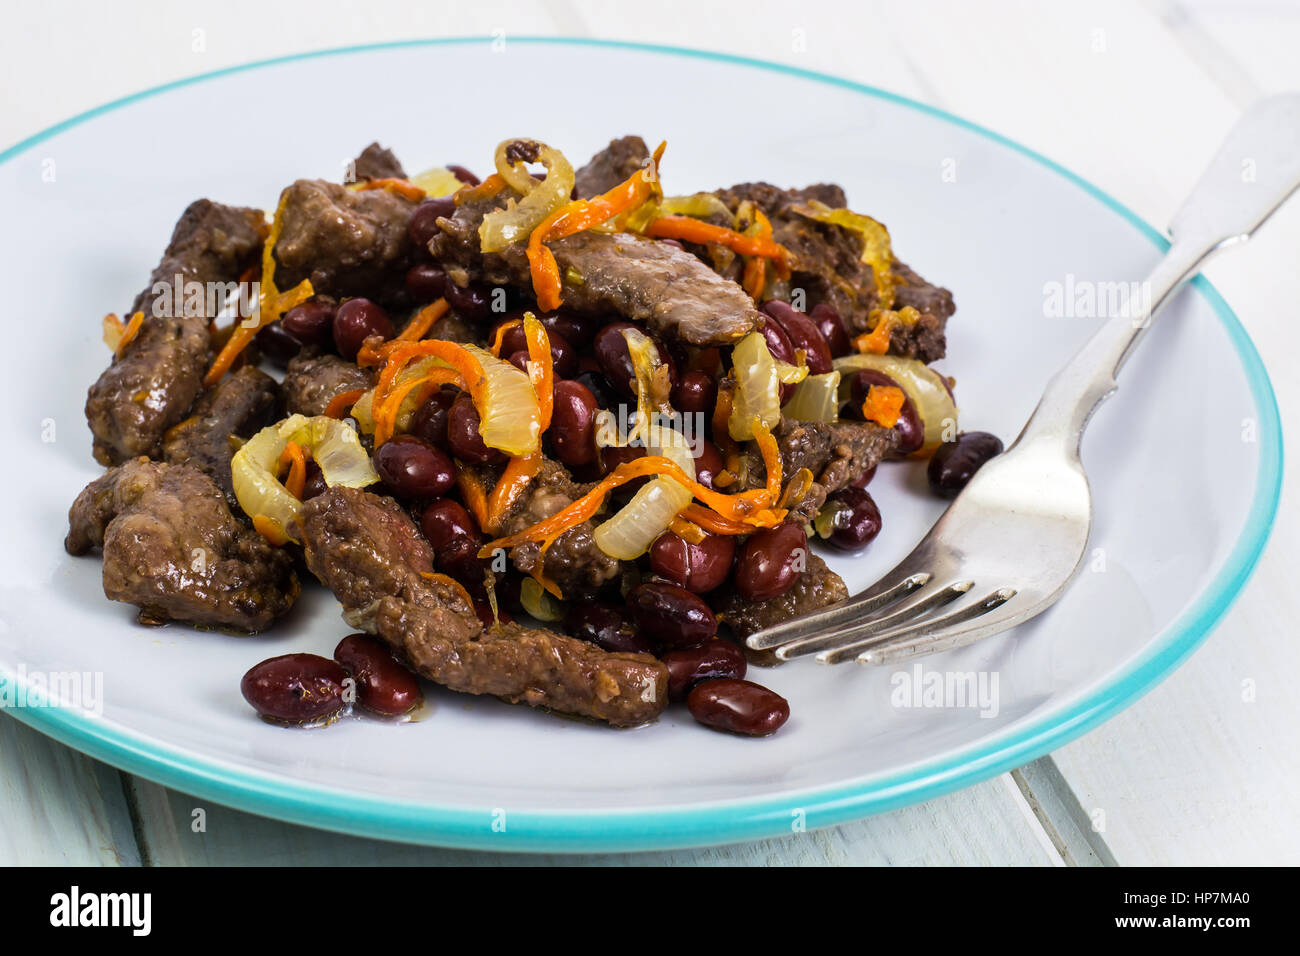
[(613, 164), (151, 387), (817, 587), (573, 561), (366, 550), (347, 243), (235, 408), (834, 453), (925, 339), (311, 381), (172, 547), (610, 274), (376, 162)]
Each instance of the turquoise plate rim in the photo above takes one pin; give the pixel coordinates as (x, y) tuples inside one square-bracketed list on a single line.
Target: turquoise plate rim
[(724, 821)]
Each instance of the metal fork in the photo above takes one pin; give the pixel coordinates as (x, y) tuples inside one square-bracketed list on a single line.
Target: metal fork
[(1009, 545)]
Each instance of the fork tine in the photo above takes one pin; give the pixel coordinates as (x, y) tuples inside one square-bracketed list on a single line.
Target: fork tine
[(920, 637), (865, 603), (854, 631)]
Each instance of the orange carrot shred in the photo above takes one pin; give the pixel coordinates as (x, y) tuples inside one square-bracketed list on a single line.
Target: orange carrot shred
[(883, 405), (296, 459), (451, 583), (686, 530), (686, 229), (400, 187), (423, 321), (270, 529), (342, 402), (519, 472), (129, 333), (475, 494), (500, 335)]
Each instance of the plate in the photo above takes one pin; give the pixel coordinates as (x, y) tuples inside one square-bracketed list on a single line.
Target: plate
[(1186, 476)]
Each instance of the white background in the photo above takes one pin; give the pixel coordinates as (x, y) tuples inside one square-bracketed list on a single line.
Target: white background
[(1132, 96)]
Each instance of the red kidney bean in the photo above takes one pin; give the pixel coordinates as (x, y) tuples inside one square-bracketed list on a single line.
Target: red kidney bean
[(425, 282), (296, 688), (577, 330), (697, 567), (464, 565), (910, 429), (384, 686), (803, 334), (695, 394), (715, 659), (605, 626), (564, 357), (954, 463), (857, 521), (429, 421), (277, 344), (738, 707), (423, 224), (671, 614), (831, 326), (708, 462), (519, 359), (463, 435), (413, 468), (615, 360), (449, 527), (311, 323), (356, 320), (464, 175), (611, 456), (315, 481), (472, 301), (573, 423), (781, 349), (770, 561), (599, 387), (864, 479)]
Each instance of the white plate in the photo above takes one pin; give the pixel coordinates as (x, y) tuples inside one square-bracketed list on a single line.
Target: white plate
[(1185, 460)]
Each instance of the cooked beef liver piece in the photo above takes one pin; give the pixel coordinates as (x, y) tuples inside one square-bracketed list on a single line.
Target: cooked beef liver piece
[(312, 380), (236, 407), (835, 453), (376, 162), (366, 550), (640, 279), (347, 243), (172, 547), (577, 566), (817, 587), (152, 386), (613, 164)]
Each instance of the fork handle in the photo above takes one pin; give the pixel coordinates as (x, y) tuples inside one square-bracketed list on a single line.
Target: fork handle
[(1256, 169)]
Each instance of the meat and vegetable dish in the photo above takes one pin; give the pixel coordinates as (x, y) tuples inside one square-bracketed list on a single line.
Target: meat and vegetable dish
[(619, 414)]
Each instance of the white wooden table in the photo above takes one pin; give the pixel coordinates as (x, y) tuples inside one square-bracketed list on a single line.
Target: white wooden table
[(1132, 96)]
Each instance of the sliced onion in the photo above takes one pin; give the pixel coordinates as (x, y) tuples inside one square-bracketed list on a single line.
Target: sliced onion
[(877, 251), (517, 221), (509, 418), (362, 409), (629, 534), (758, 387), (815, 399), (922, 384), (333, 446), (540, 603), (436, 182)]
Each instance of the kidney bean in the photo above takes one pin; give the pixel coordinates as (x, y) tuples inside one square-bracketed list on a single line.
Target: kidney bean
[(315, 481), (463, 436), (611, 456), (425, 282), (423, 224), (857, 520), (429, 421), (605, 626), (697, 567), (384, 686), (803, 334), (356, 320), (519, 359), (910, 429), (471, 301), (615, 360), (954, 463), (573, 423), (413, 468), (599, 387), (687, 666), (449, 527), (295, 688), (831, 326), (277, 344), (577, 330), (864, 479), (671, 614), (564, 357), (464, 175), (738, 707), (464, 566), (708, 462), (695, 394), (770, 561), (311, 323)]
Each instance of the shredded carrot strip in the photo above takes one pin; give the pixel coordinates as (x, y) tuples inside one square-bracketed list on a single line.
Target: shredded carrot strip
[(484, 190), (883, 405), (540, 370), (755, 276), (771, 457), (876, 342), (129, 333), (343, 401), (271, 302), (686, 530), (687, 229), (450, 582), (385, 414), (401, 187), (722, 435), (419, 326), (713, 522), (475, 494), (296, 460), (502, 329), (270, 529), (397, 354), (519, 472), (579, 215)]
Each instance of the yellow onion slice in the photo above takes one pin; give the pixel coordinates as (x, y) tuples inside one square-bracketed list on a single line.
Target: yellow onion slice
[(631, 531), (922, 384), (517, 221), (509, 418), (436, 182), (758, 387), (332, 445), (815, 399), (877, 251)]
